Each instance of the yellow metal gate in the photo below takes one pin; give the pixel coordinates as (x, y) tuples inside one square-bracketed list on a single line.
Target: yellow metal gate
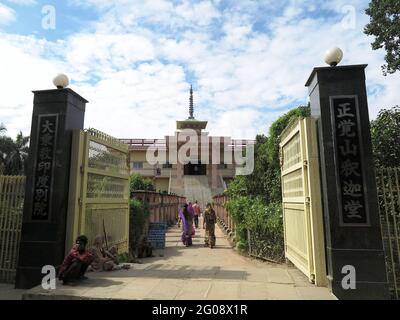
[(12, 190), (99, 189), (302, 208), (388, 183)]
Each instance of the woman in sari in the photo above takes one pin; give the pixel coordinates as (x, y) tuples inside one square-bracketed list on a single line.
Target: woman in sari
[(187, 222)]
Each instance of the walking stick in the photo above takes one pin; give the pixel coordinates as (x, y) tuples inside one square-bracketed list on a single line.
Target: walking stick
[(105, 234), (114, 258)]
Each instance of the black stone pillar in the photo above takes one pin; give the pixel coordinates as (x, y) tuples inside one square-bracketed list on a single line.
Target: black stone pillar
[(56, 113), (353, 237)]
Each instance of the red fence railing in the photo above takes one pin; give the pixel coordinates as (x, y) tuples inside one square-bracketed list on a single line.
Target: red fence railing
[(223, 215), (163, 207)]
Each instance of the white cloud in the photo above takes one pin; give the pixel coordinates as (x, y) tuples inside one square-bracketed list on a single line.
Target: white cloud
[(7, 14), (22, 70), (240, 124), (135, 63), (99, 54), (147, 102), (201, 13)]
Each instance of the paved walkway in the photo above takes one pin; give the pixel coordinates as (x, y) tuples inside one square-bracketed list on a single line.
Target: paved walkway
[(7, 292), (194, 273)]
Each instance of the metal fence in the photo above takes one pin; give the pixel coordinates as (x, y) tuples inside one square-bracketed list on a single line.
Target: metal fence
[(261, 246), (12, 190), (388, 182), (99, 189)]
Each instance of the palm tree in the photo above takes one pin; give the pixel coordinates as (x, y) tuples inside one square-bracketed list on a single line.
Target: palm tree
[(17, 157), (5, 147)]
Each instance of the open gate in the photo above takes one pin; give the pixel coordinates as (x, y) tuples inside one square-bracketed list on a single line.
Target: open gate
[(302, 207), (99, 189)]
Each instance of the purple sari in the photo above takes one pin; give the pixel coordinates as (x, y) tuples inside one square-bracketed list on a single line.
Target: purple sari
[(187, 228), (190, 209)]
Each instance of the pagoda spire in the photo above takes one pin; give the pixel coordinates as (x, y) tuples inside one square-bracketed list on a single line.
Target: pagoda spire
[(191, 122), (191, 108)]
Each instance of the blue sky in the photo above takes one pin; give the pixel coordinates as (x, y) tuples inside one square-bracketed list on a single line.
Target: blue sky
[(70, 19), (134, 60)]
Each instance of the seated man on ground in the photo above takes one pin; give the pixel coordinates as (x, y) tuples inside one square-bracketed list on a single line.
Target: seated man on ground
[(104, 260), (76, 262)]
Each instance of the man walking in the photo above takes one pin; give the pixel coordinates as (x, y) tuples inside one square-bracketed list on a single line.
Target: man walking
[(197, 213), (210, 219)]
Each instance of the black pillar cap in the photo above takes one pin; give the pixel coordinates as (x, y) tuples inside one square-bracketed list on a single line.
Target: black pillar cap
[(337, 68), (60, 95)]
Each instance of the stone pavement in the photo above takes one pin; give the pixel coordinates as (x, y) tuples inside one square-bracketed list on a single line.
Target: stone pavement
[(7, 292), (194, 273)]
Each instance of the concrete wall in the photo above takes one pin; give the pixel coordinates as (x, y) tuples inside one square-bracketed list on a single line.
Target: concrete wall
[(161, 184)]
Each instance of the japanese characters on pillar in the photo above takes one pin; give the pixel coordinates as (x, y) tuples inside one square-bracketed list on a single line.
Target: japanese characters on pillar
[(352, 202), (44, 166)]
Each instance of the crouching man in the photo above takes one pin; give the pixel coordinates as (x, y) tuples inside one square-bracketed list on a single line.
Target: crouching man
[(76, 262)]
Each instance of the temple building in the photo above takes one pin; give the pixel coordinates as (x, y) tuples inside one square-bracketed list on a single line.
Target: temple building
[(190, 163)]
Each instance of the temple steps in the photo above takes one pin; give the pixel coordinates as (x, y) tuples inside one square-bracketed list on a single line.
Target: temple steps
[(197, 188)]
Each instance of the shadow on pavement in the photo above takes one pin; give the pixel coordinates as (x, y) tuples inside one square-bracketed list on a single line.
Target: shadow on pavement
[(161, 271)]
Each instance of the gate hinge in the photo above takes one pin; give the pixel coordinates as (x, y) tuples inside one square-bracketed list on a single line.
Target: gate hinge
[(81, 169), (80, 201), (305, 163), (308, 200)]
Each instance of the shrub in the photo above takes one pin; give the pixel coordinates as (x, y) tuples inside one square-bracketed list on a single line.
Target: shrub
[(264, 222), (138, 182), (241, 246), (138, 224)]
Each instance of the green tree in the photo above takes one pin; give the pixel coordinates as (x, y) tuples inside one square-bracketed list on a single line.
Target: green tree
[(265, 181), (6, 147), (385, 26), (275, 132), (13, 154), (138, 182), (17, 157), (385, 133)]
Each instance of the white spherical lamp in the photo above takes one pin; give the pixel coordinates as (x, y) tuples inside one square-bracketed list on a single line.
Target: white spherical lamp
[(61, 81), (333, 56)]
